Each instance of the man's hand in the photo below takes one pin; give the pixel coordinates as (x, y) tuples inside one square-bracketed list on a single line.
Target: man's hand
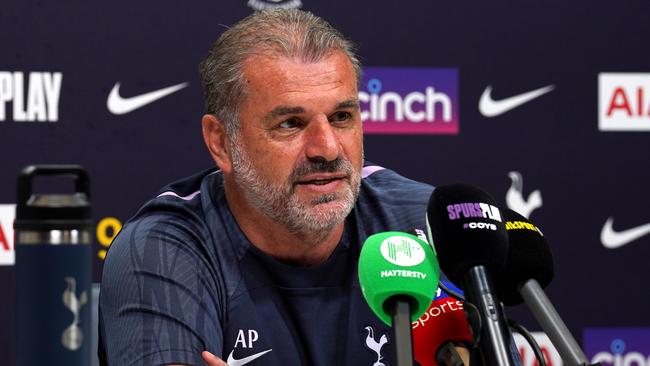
[(212, 360)]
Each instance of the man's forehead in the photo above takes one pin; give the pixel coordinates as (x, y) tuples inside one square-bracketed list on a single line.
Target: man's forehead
[(290, 67), (278, 83)]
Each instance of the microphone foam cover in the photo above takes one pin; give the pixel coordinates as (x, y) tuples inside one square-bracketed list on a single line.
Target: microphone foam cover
[(397, 264), (467, 230), (443, 322), (529, 257)]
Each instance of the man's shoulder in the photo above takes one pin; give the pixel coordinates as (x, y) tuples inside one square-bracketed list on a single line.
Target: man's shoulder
[(178, 230), (187, 197), (180, 211), (164, 288), (386, 184), (389, 201), (188, 188)]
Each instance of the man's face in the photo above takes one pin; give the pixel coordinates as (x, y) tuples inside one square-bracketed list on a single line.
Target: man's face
[(299, 153)]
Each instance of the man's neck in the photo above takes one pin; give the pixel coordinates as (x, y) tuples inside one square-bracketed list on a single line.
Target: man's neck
[(275, 240)]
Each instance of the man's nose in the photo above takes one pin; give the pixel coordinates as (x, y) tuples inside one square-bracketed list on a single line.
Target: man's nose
[(322, 140)]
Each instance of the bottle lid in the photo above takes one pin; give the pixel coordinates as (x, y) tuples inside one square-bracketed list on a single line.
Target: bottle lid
[(56, 211)]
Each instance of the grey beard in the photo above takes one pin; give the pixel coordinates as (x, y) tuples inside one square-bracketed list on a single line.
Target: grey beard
[(279, 202)]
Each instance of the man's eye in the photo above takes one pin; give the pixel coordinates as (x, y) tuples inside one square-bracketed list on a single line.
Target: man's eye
[(290, 123), (340, 116)]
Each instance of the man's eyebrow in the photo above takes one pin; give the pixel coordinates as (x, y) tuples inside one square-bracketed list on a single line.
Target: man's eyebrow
[(286, 110), (350, 103), (283, 111)]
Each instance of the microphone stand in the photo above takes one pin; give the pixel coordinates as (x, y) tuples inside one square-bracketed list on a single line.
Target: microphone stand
[(402, 331), (550, 321), (495, 339)]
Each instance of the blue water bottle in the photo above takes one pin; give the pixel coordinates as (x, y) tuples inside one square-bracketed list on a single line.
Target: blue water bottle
[(53, 237)]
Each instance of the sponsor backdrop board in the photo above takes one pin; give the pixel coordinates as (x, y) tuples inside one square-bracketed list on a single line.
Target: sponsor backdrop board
[(544, 104), (618, 346)]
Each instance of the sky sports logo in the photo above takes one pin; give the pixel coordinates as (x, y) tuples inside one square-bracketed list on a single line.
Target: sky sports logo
[(409, 101), (624, 102), (618, 346)]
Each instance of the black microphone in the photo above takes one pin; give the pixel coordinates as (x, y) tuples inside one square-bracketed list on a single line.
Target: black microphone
[(528, 270), (471, 242), (529, 258)]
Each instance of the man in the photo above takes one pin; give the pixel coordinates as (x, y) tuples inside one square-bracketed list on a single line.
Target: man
[(256, 262)]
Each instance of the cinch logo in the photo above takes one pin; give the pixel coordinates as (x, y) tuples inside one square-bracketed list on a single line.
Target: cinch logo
[(623, 102), (7, 215), (30, 98), (402, 251), (409, 101), (618, 357), (618, 346)]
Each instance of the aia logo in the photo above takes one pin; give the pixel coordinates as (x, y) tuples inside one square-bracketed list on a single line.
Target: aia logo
[(7, 214), (624, 102), (550, 353)]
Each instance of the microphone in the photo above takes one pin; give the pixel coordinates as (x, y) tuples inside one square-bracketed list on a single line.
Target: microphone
[(471, 242), (398, 274), (529, 258), (529, 268), (441, 326)]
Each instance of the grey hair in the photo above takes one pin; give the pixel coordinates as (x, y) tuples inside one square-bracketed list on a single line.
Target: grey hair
[(277, 32)]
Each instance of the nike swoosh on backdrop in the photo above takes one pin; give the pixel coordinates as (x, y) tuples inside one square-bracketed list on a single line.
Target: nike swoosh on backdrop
[(492, 108), (233, 362), (612, 239), (119, 105)]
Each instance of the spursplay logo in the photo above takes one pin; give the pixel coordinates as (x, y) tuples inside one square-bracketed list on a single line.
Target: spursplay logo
[(402, 251), (468, 210), (30, 96), (477, 210)]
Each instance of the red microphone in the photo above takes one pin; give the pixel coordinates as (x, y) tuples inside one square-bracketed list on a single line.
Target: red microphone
[(444, 322)]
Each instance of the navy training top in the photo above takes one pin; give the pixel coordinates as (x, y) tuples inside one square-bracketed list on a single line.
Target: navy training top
[(181, 278)]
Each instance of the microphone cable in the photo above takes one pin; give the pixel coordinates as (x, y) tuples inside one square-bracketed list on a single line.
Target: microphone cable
[(517, 327), (514, 325)]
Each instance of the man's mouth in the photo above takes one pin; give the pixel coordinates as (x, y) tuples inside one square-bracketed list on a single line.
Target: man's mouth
[(321, 180)]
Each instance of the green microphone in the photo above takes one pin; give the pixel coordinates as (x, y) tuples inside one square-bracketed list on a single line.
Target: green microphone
[(399, 274)]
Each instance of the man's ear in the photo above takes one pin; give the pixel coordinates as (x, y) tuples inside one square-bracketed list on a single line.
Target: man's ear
[(216, 139)]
